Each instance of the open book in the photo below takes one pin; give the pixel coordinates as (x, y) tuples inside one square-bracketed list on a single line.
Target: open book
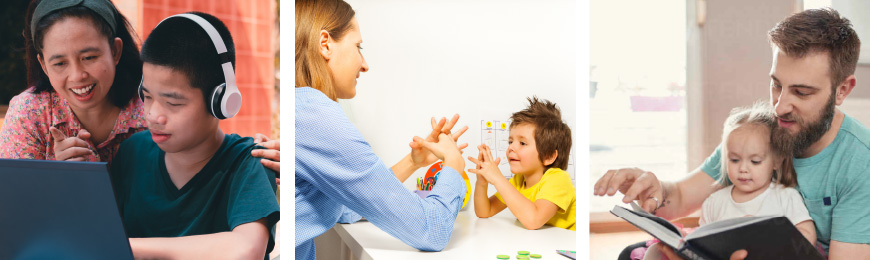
[(764, 237)]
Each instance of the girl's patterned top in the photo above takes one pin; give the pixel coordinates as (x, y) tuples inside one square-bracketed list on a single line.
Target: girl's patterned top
[(25, 132)]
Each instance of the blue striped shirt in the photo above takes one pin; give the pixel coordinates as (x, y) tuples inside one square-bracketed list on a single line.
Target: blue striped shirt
[(336, 167)]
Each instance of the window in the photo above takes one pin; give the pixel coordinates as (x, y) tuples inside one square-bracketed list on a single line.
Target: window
[(637, 90)]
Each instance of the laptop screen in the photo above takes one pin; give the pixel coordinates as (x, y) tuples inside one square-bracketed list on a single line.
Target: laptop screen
[(59, 210)]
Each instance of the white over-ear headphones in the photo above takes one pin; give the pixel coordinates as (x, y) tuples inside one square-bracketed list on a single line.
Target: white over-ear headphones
[(225, 100)]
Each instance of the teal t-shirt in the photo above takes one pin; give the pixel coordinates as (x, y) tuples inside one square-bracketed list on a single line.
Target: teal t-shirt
[(835, 185), (233, 188)]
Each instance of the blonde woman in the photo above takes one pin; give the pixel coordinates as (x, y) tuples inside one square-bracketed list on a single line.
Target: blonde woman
[(336, 169)]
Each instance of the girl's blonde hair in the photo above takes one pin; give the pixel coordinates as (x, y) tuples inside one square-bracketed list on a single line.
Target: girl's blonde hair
[(312, 16), (759, 114)]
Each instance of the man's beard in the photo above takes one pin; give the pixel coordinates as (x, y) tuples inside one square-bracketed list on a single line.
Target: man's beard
[(795, 145)]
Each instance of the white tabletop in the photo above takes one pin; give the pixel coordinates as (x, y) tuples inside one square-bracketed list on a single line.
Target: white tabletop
[(473, 238)]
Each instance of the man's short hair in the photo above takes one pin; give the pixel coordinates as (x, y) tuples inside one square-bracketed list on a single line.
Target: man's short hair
[(182, 45), (820, 30), (551, 134)]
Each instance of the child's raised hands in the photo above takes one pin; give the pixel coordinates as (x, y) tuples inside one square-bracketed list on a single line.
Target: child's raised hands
[(480, 177), (486, 166)]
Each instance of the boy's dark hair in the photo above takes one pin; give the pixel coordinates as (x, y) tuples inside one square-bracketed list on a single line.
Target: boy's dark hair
[(820, 30), (551, 134), (182, 45), (128, 72)]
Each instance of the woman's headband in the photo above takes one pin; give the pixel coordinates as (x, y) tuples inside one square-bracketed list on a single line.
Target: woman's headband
[(103, 8)]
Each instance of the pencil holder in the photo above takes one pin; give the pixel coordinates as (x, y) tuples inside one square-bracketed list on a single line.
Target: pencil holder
[(422, 193), (435, 169)]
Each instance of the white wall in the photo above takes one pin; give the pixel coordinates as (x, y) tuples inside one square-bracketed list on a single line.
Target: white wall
[(729, 62), (856, 12), (480, 59)]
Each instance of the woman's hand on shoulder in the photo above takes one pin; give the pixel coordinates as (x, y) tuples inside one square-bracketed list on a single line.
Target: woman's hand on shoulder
[(271, 155)]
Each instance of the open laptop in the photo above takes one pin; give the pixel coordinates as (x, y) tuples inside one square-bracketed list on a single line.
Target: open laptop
[(59, 210)]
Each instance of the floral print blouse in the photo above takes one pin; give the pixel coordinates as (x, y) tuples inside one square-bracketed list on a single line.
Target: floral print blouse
[(25, 134)]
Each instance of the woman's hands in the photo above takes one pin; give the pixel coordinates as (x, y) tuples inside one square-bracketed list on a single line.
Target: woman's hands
[(445, 149), (73, 148), (423, 157)]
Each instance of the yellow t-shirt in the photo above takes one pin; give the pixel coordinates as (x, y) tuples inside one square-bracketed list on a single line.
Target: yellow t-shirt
[(555, 186)]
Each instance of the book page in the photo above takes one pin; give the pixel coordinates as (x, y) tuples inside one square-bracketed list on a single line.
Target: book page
[(657, 227)]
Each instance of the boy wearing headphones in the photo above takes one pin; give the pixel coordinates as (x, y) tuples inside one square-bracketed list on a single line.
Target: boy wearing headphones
[(184, 188)]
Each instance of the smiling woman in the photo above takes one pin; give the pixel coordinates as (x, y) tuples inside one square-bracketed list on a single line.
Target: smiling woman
[(83, 67), (338, 177)]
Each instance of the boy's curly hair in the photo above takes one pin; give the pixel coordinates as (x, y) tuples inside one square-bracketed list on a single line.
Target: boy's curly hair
[(551, 134)]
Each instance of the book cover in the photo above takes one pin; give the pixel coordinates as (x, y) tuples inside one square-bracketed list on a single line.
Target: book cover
[(764, 237)]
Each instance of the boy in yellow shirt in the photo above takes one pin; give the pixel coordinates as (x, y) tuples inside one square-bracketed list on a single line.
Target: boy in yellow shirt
[(540, 191)]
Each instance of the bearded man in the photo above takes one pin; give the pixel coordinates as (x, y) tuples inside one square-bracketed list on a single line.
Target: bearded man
[(815, 53)]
